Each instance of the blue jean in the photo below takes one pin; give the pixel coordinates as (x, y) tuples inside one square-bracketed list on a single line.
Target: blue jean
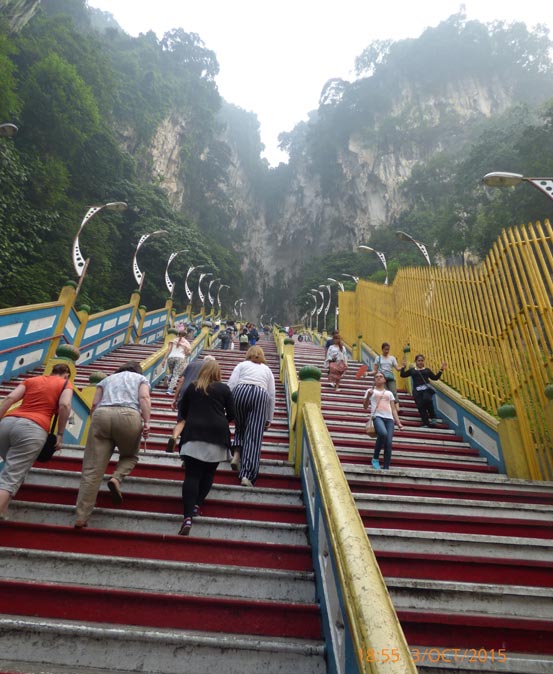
[(385, 434)]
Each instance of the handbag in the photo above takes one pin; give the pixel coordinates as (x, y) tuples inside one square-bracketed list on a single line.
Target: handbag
[(370, 430), (49, 447)]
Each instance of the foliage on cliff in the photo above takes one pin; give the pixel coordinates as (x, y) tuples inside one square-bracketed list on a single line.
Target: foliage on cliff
[(87, 104)]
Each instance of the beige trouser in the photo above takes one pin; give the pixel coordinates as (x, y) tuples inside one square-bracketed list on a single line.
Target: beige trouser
[(110, 427)]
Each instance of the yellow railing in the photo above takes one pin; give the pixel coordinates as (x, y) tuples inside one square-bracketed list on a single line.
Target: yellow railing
[(492, 323)]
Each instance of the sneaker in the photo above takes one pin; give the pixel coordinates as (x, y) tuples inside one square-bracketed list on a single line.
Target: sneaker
[(376, 464), (170, 445), (170, 391), (246, 483), (196, 511), (235, 463), (185, 526)]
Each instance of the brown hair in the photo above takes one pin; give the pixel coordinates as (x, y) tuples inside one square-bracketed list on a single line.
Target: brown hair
[(209, 373), (60, 369), (130, 366), (255, 354)]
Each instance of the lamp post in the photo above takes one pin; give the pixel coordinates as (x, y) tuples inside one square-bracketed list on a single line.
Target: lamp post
[(337, 312), (170, 285), (8, 130), (219, 296), (209, 295), (319, 309), (407, 237), (200, 293), (240, 299), (327, 286), (189, 293), (312, 313), (138, 275), (242, 302), (382, 259), (504, 179), (79, 263)]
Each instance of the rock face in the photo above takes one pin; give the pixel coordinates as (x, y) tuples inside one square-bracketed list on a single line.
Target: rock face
[(310, 218), (18, 12)]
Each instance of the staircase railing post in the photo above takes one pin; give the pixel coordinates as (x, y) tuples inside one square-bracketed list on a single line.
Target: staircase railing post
[(510, 436), (67, 298), (309, 391)]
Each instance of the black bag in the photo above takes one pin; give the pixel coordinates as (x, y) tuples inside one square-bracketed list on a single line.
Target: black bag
[(47, 451), (49, 447)]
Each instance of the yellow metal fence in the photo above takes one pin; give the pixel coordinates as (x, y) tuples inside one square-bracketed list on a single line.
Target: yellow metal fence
[(492, 323)]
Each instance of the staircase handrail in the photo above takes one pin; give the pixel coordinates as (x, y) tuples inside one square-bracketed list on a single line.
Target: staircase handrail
[(359, 618)]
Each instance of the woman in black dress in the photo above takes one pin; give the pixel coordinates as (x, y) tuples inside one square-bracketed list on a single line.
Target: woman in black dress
[(423, 393)]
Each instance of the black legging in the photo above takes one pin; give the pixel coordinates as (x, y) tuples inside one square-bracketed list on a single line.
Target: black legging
[(425, 404), (197, 482)]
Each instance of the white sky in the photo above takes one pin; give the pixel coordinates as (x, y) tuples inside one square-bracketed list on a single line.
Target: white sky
[(275, 55)]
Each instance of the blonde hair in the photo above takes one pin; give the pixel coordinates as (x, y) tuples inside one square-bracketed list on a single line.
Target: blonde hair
[(209, 373), (255, 354)]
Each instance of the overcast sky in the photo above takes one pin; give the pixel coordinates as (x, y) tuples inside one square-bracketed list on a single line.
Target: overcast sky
[(276, 55)]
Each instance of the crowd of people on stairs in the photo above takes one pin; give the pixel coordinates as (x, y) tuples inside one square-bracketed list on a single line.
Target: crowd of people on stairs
[(205, 407)]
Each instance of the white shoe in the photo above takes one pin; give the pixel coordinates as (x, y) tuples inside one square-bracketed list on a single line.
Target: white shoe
[(246, 483)]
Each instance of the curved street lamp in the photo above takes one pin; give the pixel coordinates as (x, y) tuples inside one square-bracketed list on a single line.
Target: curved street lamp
[(219, 296), (138, 275), (327, 286), (79, 263), (240, 299), (8, 130), (382, 259), (504, 179), (319, 309), (209, 296), (312, 312), (170, 285), (240, 308), (337, 312), (187, 290), (200, 293), (407, 237), (351, 276)]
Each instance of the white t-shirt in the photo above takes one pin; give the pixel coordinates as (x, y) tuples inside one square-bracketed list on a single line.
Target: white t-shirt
[(121, 390), (381, 403), (386, 364)]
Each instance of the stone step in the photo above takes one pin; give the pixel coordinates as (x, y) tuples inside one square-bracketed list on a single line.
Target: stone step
[(451, 506), (460, 544), (475, 598), (171, 488), (162, 524), (113, 648), (190, 578), (168, 547), (168, 504), (453, 479)]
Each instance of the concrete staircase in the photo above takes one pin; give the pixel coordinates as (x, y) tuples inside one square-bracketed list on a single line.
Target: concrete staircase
[(129, 595), (467, 554)]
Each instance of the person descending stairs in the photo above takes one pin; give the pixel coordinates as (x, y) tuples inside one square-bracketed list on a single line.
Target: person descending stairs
[(128, 594), (466, 552)]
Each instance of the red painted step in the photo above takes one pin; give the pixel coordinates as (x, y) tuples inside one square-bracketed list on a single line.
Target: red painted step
[(468, 491), (152, 546), (403, 462), (475, 632), (176, 472), (466, 569), (153, 609), (240, 510), (464, 524)]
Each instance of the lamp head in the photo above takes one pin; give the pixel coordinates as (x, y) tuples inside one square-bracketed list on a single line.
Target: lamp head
[(502, 179), (8, 130), (117, 206)]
